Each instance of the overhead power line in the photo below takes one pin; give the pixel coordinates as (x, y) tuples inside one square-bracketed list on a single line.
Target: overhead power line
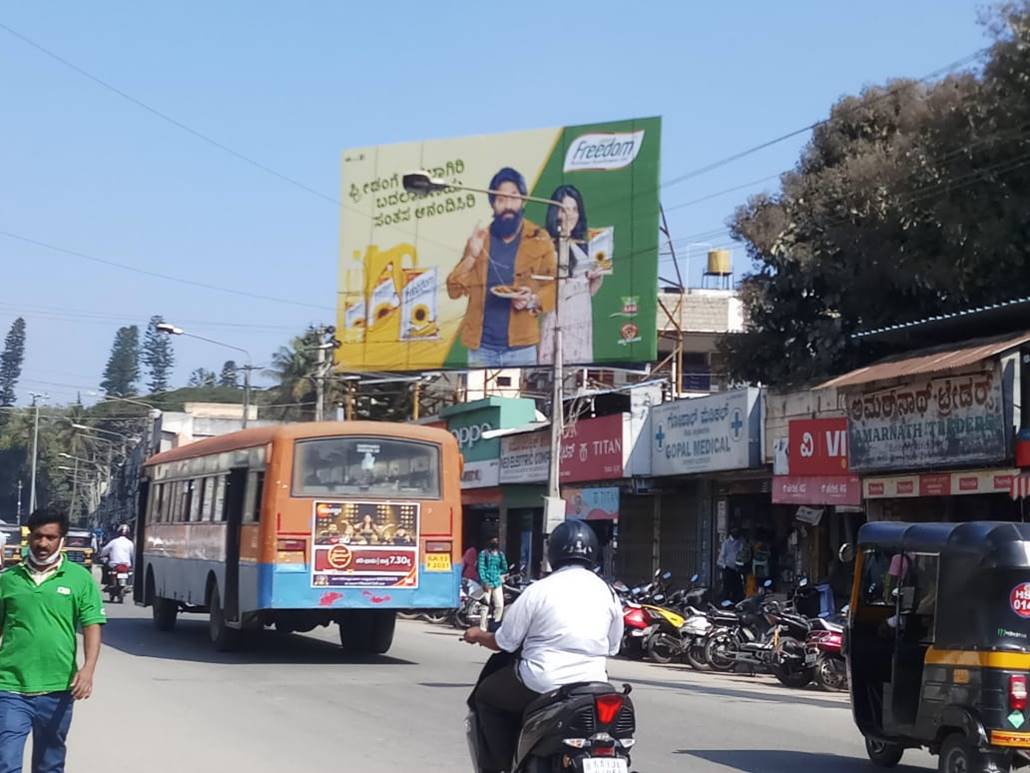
[(160, 275)]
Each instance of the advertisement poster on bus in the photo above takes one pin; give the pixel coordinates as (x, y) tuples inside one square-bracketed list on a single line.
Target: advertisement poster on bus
[(466, 276), (365, 545)]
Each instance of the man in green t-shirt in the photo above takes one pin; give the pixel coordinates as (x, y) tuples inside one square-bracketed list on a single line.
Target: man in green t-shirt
[(43, 601)]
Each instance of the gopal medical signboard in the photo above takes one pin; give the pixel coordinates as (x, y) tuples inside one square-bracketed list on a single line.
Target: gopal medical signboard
[(464, 279), (705, 434)]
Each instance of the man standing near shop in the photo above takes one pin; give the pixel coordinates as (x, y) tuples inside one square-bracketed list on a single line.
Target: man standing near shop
[(508, 273), (43, 601), (732, 581), (492, 567)]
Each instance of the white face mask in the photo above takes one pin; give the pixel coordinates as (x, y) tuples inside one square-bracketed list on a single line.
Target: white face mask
[(50, 560)]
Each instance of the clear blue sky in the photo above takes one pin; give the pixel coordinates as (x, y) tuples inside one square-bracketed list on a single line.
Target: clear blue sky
[(292, 84)]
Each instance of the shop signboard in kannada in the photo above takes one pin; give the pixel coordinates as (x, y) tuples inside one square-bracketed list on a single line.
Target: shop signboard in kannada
[(705, 434), (525, 458), (591, 504), (928, 422), (592, 449), (365, 545), (817, 490), (419, 288)]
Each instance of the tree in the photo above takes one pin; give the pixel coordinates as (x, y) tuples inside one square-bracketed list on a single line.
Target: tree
[(230, 376), (158, 356), (11, 361), (909, 201), (122, 371), (202, 377)]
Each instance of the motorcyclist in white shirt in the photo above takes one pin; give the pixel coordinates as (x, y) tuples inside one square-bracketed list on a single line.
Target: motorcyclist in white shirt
[(562, 628), (120, 550)]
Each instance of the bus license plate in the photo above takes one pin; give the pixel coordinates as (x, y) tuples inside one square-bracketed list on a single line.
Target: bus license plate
[(609, 765)]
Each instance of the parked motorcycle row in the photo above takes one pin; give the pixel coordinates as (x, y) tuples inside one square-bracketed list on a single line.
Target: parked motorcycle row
[(757, 635), (665, 624)]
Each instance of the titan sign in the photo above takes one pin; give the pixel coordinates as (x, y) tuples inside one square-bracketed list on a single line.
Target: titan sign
[(462, 278)]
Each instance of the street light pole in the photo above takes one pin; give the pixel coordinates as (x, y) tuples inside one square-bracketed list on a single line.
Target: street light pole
[(36, 398), (170, 329)]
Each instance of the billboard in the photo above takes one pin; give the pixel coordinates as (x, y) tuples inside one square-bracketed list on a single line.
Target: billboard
[(466, 279)]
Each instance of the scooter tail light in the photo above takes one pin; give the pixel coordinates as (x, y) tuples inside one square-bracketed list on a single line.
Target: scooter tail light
[(1017, 692), (607, 707)]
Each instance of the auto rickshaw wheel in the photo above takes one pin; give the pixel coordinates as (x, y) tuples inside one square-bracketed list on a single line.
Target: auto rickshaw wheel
[(883, 754), (959, 756)]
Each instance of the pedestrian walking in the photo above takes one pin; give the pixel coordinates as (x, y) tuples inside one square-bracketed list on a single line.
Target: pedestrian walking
[(493, 565), (43, 601)]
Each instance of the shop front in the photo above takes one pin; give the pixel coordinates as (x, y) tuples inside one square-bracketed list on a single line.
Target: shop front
[(817, 500), (931, 434), (481, 494), (706, 462), (594, 460)]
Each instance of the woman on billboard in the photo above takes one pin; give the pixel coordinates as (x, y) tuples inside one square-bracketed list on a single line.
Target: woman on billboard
[(580, 281)]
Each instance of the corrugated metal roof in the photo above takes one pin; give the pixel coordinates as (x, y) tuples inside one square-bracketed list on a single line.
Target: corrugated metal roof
[(978, 310), (930, 361)]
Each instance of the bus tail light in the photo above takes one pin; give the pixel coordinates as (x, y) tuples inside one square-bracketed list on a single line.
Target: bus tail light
[(290, 545), (1017, 692), (438, 547)]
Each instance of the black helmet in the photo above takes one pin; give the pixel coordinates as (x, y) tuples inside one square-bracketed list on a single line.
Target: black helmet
[(573, 542)]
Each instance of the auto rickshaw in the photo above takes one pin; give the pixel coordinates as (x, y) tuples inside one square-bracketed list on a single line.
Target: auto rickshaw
[(938, 642), (12, 545), (78, 547)]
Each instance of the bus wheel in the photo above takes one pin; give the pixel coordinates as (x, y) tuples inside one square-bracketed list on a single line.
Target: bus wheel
[(165, 612), (367, 633), (222, 636)]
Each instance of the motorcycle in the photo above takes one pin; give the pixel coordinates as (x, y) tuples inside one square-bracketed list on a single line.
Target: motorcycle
[(635, 623), (118, 581), (825, 644), (769, 637), (470, 607), (587, 727)]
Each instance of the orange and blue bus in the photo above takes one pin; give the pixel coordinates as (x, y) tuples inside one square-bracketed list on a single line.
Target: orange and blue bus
[(301, 525)]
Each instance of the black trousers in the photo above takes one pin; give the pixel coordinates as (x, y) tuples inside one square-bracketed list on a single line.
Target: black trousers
[(500, 700), (732, 585)]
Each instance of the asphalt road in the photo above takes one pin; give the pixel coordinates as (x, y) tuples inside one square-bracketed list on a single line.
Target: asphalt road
[(168, 702)]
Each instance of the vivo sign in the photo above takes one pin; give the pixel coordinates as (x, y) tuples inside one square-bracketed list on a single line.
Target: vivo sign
[(818, 446)]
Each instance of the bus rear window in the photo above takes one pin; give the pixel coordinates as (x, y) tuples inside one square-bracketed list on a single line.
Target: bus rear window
[(379, 467)]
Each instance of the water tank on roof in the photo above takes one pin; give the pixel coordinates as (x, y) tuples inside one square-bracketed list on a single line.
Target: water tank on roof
[(720, 263)]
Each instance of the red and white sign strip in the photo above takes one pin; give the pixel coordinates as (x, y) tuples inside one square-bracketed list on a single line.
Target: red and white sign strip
[(940, 484), (1020, 488)]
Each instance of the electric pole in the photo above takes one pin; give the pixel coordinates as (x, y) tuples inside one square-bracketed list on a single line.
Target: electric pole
[(18, 512), (36, 398), (323, 365)]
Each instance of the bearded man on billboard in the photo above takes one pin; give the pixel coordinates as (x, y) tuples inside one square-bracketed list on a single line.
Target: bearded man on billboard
[(508, 273)]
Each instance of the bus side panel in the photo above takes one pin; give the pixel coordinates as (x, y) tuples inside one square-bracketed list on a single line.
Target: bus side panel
[(184, 557)]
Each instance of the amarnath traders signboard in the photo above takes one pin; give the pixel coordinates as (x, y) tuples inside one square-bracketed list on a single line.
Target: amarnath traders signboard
[(465, 279), (928, 422), (705, 434)]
